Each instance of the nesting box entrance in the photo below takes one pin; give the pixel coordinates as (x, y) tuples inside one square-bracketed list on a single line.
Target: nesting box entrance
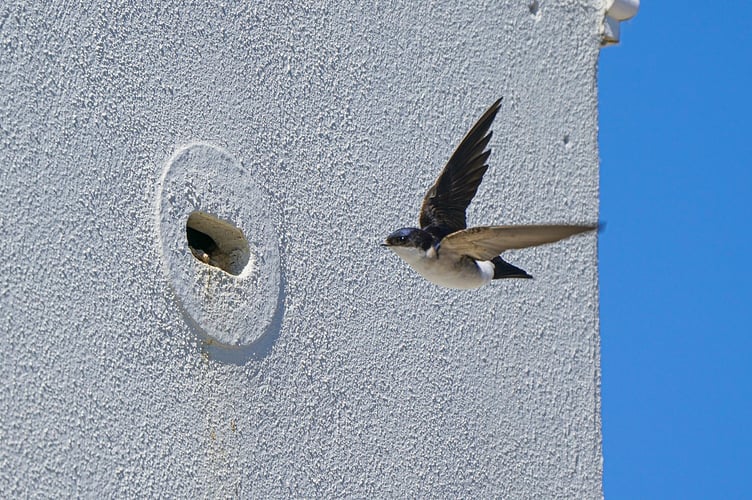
[(217, 243)]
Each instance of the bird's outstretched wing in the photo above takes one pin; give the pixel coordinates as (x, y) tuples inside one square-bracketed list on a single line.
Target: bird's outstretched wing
[(487, 242), (446, 201)]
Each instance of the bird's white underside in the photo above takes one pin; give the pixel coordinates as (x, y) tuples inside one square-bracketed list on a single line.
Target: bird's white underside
[(447, 270)]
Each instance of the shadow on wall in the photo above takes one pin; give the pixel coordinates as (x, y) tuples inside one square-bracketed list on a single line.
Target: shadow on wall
[(240, 355)]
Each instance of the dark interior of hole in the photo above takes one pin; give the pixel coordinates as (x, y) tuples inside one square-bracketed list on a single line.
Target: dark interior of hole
[(200, 241)]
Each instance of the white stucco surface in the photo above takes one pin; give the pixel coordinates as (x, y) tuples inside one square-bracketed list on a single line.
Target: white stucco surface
[(370, 381)]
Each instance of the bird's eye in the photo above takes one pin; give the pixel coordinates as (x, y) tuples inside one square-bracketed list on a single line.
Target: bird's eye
[(401, 239)]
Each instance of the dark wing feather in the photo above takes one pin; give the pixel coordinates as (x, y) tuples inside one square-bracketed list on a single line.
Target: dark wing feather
[(487, 242), (446, 201)]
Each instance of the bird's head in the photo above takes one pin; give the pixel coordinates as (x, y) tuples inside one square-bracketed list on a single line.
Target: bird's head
[(408, 238)]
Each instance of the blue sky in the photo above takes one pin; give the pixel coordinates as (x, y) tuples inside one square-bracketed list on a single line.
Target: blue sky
[(675, 257)]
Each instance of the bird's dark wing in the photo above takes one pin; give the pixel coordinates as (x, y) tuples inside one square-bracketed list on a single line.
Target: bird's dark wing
[(446, 201), (487, 242)]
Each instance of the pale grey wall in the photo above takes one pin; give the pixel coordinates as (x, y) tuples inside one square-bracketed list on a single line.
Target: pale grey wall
[(369, 381)]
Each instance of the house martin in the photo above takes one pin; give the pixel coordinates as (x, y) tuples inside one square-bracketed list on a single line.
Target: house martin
[(448, 253)]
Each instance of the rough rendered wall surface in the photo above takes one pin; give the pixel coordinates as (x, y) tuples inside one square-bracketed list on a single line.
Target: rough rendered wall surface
[(370, 381)]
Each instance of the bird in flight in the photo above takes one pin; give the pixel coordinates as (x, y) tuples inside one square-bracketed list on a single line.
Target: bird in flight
[(444, 250)]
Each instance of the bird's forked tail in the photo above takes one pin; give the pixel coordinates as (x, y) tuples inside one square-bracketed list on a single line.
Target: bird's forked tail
[(503, 269)]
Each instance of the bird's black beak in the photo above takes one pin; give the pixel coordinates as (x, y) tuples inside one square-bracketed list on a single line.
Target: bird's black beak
[(385, 245)]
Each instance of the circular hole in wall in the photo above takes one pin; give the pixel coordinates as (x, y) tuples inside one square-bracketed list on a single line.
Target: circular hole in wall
[(215, 210), (217, 243)]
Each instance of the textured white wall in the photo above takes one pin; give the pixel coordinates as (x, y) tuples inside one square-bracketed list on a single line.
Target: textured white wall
[(370, 381)]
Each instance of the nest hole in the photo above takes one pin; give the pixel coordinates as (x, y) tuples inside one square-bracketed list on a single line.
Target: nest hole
[(217, 243)]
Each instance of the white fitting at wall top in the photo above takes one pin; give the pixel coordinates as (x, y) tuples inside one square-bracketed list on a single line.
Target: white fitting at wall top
[(616, 12), (621, 10)]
